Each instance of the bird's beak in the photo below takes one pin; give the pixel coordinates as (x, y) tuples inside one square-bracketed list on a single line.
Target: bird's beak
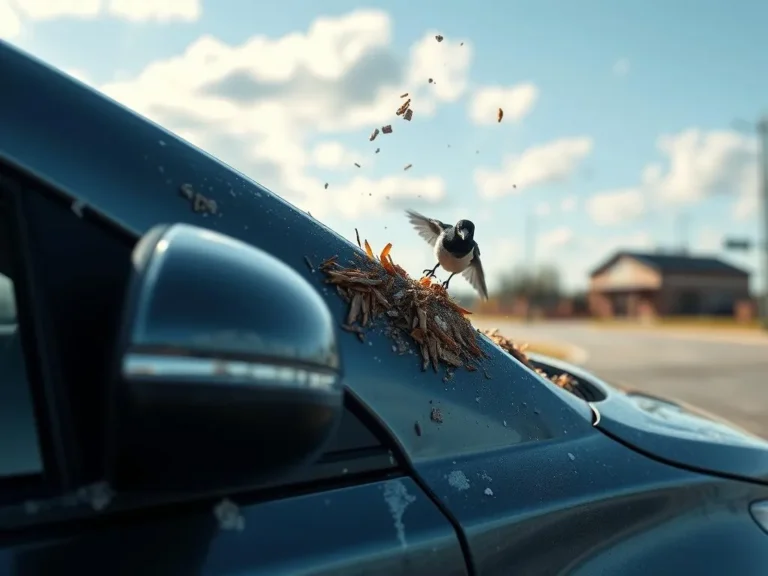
[(463, 234)]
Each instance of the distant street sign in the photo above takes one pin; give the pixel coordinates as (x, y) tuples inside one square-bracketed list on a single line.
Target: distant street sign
[(737, 244)]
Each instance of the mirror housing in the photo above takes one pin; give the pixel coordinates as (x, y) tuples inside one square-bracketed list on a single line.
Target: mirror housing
[(228, 370)]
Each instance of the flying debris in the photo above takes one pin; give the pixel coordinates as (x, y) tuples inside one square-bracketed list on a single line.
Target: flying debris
[(500, 114)]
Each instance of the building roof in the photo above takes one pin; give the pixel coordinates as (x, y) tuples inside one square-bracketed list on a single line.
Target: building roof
[(682, 263)]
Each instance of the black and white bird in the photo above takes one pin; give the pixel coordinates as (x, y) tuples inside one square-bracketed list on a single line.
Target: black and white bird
[(455, 249)]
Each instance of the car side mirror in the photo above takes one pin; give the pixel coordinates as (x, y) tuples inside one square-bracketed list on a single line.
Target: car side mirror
[(228, 370)]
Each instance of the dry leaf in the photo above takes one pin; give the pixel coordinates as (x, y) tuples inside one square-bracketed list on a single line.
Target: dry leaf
[(368, 250), (416, 310), (500, 114)]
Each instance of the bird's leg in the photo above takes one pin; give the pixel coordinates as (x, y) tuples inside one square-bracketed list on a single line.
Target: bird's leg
[(429, 273), (445, 284)]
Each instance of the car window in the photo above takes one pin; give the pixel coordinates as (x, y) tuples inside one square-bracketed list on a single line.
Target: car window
[(19, 446)]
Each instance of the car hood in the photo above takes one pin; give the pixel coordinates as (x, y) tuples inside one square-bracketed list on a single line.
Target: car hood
[(674, 431)]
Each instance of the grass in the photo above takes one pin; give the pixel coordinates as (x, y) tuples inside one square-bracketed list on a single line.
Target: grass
[(550, 349), (682, 322), (712, 323)]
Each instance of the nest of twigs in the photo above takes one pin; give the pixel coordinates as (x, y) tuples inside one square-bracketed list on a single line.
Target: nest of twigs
[(565, 381), (377, 287)]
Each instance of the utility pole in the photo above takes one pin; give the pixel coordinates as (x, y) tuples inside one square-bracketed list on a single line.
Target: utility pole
[(762, 131)]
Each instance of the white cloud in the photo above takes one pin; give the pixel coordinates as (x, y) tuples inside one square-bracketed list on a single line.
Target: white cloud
[(333, 156), (446, 63), (51, 9), (703, 164), (256, 105), (10, 22), (544, 164), (556, 238), (616, 207), (621, 67), (515, 101), (365, 195), (569, 204), (158, 10), (543, 209), (133, 10), (697, 165)]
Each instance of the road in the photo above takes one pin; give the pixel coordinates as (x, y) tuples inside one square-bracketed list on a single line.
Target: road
[(725, 374)]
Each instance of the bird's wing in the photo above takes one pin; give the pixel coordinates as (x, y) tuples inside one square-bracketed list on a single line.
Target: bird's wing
[(428, 228), (475, 275)]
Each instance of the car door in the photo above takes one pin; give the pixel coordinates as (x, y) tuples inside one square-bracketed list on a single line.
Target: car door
[(63, 272)]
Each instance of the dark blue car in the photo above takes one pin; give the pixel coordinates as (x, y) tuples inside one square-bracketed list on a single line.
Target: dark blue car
[(177, 395)]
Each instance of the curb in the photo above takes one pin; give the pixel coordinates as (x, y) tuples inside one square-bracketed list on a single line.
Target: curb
[(571, 353)]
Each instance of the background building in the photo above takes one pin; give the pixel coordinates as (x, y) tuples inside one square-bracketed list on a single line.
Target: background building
[(634, 284)]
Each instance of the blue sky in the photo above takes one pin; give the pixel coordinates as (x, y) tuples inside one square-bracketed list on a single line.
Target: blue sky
[(631, 106)]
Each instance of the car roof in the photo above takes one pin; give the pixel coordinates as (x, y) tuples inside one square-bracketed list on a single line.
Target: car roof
[(98, 153)]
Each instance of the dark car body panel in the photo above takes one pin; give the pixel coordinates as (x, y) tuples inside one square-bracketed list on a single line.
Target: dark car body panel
[(554, 514), (674, 432), (407, 534), (528, 484)]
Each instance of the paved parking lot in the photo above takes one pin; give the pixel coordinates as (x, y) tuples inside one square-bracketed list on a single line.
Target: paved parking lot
[(726, 374)]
